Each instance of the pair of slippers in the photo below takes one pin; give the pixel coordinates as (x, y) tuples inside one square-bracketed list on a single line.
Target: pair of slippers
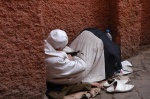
[(118, 84)]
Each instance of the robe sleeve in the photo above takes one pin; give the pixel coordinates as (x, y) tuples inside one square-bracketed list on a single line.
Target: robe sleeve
[(58, 67)]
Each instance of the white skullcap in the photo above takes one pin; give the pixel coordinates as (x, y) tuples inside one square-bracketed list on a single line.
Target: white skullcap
[(58, 38)]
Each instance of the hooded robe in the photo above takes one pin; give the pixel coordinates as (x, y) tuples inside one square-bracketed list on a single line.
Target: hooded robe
[(87, 66)]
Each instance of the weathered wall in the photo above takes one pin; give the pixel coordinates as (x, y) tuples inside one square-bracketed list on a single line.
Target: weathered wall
[(22, 31), (113, 21), (24, 24), (145, 23), (129, 26), (22, 72), (75, 15)]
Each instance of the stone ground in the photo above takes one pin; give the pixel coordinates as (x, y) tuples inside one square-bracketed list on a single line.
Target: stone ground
[(140, 78)]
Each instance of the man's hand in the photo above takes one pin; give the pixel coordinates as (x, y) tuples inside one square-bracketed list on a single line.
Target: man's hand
[(70, 57)]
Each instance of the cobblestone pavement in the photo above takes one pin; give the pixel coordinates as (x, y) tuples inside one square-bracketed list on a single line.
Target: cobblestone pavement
[(140, 78)]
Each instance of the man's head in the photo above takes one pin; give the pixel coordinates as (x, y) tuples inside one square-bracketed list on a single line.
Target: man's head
[(58, 39)]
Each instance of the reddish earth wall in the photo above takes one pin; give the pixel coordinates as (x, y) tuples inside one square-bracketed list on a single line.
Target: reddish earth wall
[(145, 23), (24, 25), (22, 72), (129, 26), (113, 21), (75, 15)]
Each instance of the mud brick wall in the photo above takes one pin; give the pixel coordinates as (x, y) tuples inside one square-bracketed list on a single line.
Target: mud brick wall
[(129, 26), (24, 25), (145, 23), (113, 21), (75, 15), (22, 71)]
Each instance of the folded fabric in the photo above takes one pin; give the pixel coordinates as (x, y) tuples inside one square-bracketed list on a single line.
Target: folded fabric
[(118, 86), (67, 90), (90, 94), (84, 94)]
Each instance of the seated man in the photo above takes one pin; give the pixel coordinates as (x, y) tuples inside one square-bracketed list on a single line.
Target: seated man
[(87, 66)]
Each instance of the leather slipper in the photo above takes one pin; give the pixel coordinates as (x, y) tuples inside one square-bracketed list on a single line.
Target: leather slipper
[(122, 79), (127, 68), (126, 63), (119, 87)]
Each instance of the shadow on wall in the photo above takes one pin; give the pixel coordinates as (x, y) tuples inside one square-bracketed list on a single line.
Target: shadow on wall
[(145, 23)]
